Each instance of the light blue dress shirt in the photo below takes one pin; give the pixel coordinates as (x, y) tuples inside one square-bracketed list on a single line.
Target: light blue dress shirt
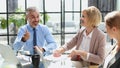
[(44, 39)]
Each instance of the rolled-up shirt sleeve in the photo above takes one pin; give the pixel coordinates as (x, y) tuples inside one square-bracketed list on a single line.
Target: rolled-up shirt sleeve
[(50, 41), (18, 43)]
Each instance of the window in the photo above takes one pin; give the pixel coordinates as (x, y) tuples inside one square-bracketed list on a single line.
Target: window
[(61, 16)]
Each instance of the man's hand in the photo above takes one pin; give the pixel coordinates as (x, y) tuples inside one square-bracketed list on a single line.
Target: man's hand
[(39, 49), (26, 36)]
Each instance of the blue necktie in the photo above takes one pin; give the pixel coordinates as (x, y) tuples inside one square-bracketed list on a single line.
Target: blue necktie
[(34, 39)]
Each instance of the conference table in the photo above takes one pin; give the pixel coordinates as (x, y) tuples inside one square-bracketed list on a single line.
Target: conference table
[(58, 62), (50, 62)]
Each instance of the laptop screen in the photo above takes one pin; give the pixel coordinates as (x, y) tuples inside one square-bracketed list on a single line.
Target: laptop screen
[(8, 55)]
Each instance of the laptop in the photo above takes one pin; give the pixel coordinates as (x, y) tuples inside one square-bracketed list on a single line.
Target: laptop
[(10, 59)]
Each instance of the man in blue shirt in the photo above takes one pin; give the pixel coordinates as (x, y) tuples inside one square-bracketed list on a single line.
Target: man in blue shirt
[(44, 39)]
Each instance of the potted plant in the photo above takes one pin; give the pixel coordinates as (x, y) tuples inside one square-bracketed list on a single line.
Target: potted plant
[(18, 20)]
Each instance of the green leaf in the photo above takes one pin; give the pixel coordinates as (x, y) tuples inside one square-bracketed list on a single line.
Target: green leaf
[(3, 23)]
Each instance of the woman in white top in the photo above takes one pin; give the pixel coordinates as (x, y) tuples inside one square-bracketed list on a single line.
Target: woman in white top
[(89, 42)]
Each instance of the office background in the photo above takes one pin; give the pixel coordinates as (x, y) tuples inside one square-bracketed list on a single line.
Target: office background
[(61, 16)]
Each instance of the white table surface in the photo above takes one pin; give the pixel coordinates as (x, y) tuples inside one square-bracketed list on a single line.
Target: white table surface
[(58, 62)]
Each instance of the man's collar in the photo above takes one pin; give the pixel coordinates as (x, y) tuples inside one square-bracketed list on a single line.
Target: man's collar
[(28, 26)]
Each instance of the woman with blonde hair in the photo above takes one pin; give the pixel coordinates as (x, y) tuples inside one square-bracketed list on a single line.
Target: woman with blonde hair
[(112, 21), (89, 42)]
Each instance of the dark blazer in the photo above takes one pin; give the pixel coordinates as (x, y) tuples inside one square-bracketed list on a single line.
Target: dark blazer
[(97, 45), (114, 62)]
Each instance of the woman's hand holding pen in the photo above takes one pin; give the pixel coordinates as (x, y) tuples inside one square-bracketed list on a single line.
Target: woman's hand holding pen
[(74, 52), (78, 52)]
